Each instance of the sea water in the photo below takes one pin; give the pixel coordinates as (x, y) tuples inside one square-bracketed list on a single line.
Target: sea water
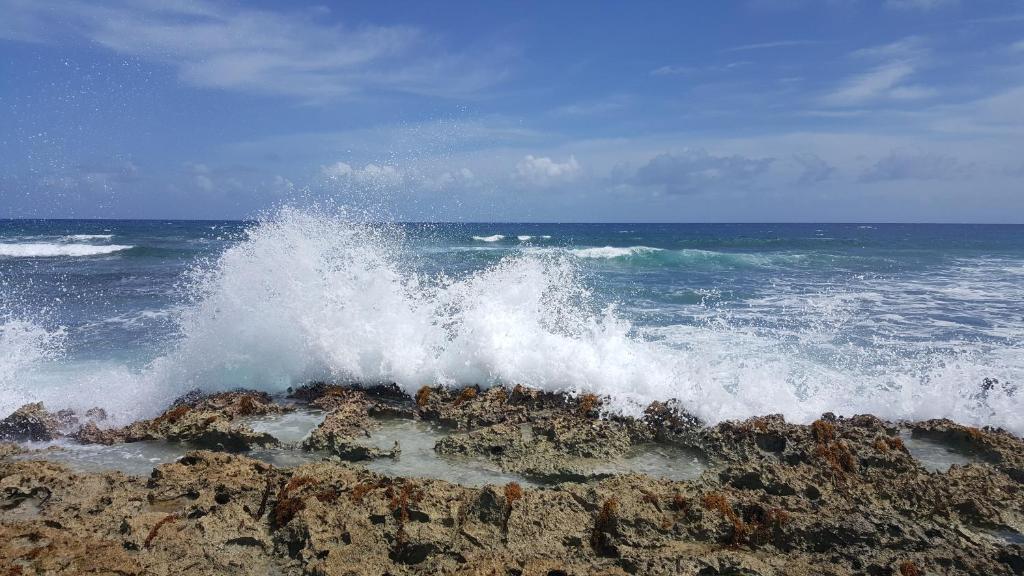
[(733, 320)]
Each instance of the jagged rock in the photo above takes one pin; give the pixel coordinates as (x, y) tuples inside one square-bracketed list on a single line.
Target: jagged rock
[(841, 496), (345, 429), (208, 421), (1000, 448), (31, 423)]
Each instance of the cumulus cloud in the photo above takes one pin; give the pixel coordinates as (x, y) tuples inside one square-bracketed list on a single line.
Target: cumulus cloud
[(695, 170), (543, 171), (300, 54), (448, 179), (915, 165), (814, 169), (374, 175)]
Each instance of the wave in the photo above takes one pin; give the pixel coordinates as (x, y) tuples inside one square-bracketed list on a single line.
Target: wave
[(87, 237), (47, 250), (312, 296), (612, 252), (494, 238), (24, 346), (524, 238), (686, 257)]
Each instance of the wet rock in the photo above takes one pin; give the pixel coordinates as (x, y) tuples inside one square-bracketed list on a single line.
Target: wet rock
[(997, 447), (840, 496), (468, 408), (30, 423), (208, 421), (345, 429)]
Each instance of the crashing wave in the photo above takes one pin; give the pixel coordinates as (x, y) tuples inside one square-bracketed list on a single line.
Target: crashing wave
[(46, 250)]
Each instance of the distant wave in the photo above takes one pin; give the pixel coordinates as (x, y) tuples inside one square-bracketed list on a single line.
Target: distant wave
[(524, 238), (687, 256), (494, 238), (45, 250), (613, 251), (87, 237)]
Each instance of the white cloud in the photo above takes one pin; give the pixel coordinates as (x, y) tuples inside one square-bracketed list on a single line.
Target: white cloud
[(225, 46), (374, 175), (543, 171), (769, 45), (695, 170), (449, 179), (922, 5), (915, 165), (814, 169), (887, 80), (336, 170)]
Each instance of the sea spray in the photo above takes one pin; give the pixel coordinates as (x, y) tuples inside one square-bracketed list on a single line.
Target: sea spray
[(310, 294)]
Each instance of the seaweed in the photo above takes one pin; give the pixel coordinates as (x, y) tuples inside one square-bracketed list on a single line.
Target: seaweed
[(753, 527), (285, 510), (362, 489), (288, 506), (400, 506), (605, 525), (824, 432), (156, 528), (587, 404), (513, 492), (908, 568), (466, 395), (423, 396), (834, 452)]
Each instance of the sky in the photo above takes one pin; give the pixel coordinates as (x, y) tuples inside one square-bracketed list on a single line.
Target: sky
[(736, 111)]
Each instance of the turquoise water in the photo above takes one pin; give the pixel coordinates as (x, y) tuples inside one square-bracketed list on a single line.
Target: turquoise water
[(905, 321)]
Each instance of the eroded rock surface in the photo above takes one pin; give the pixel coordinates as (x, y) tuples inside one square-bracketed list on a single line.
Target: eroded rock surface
[(207, 421), (841, 496)]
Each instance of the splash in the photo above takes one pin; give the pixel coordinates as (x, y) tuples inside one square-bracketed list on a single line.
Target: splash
[(309, 295), (24, 346), (312, 296)]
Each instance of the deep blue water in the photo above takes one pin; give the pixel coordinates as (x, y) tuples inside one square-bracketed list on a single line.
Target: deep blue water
[(732, 319)]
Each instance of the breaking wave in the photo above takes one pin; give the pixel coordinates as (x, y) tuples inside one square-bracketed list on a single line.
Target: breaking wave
[(307, 295), (494, 238), (48, 250)]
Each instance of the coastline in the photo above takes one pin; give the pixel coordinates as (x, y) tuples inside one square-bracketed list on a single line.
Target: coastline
[(839, 496)]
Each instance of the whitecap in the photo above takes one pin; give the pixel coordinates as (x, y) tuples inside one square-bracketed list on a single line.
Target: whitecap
[(612, 251), (88, 237), (494, 238), (45, 250)]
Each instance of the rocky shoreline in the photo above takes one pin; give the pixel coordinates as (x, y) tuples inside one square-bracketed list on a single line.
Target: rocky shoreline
[(839, 496)]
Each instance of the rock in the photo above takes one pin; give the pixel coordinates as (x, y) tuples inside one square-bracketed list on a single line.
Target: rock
[(840, 496), (1000, 448), (207, 421), (30, 423), (345, 429)]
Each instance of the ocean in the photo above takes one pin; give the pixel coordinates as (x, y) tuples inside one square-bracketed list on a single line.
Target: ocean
[(905, 321)]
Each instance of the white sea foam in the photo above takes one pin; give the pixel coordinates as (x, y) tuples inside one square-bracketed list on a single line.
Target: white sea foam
[(87, 237), (494, 238), (312, 296), (24, 346), (612, 251), (47, 250), (524, 238)]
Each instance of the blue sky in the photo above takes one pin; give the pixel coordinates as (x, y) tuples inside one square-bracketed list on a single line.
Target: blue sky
[(755, 110)]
